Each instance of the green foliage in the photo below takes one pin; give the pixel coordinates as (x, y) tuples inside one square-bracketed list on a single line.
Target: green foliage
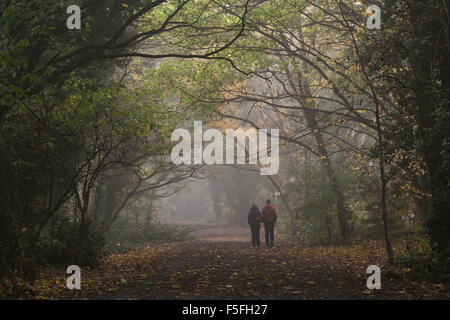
[(316, 216), (161, 233), (125, 235), (414, 81), (424, 264), (58, 244), (64, 120)]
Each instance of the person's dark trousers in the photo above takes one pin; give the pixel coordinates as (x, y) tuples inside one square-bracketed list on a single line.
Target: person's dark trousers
[(269, 229), (255, 234)]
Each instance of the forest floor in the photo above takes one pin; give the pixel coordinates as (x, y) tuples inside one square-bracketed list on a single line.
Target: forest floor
[(220, 263)]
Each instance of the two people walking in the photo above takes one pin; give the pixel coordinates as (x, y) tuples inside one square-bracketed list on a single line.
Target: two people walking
[(268, 216)]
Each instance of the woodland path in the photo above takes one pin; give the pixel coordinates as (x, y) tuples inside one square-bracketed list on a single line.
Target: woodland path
[(220, 263)]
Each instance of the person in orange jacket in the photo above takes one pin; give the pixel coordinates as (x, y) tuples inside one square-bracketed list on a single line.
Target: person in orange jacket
[(270, 217)]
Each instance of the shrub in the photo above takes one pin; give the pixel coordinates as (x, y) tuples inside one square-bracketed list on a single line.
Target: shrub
[(125, 235)]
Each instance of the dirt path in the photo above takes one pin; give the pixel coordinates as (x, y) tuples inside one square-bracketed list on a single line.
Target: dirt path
[(219, 263)]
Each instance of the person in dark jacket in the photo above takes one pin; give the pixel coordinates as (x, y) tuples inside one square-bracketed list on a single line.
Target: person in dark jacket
[(254, 220), (270, 216)]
